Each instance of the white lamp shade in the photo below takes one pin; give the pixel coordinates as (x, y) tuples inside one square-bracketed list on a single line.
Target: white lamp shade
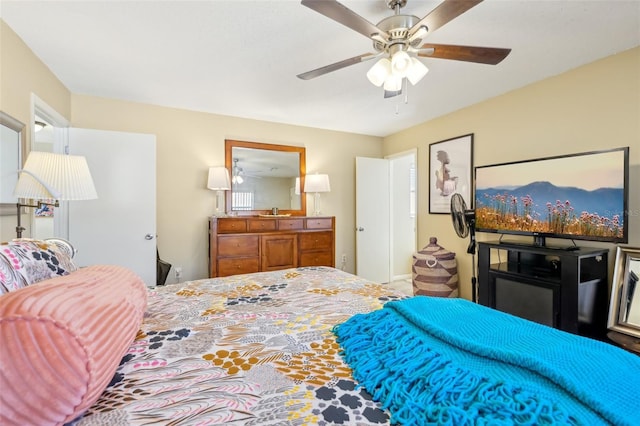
[(416, 71), (400, 63), (317, 183), (219, 179), (297, 188), (393, 83), (55, 176), (379, 72)]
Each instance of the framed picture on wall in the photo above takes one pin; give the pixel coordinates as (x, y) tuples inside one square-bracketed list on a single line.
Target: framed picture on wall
[(450, 171)]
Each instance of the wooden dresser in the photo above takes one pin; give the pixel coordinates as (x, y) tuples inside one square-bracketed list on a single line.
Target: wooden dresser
[(240, 245)]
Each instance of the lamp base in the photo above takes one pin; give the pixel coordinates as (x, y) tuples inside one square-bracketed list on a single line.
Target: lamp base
[(19, 228), (219, 212), (316, 204)]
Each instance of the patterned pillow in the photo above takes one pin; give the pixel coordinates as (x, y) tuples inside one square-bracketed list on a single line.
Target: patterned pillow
[(25, 261)]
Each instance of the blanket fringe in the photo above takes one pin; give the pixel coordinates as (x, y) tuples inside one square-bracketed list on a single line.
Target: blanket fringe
[(419, 386)]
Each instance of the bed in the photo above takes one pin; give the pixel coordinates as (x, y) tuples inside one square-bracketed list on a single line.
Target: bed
[(306, 346), (247, 349)]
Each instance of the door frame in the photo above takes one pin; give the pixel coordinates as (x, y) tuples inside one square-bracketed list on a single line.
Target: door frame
[(390, 231)]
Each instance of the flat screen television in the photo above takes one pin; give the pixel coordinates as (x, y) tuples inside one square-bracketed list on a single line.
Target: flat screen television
[(581, 196)]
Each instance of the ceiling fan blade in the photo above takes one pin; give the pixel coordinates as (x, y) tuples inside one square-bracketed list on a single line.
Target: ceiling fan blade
[(445, 12), (482, 55), (340, 13), (338, 65)]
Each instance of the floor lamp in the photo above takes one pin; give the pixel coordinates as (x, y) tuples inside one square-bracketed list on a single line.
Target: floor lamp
[(219, 181), (316, 184), (49, 176)]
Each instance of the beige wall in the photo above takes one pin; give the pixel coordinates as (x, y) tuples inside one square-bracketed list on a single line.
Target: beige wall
[(593, 107), (22, 73)]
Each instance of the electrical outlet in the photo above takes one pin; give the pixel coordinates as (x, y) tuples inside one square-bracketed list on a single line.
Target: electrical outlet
[(178, 271), (344, 258)]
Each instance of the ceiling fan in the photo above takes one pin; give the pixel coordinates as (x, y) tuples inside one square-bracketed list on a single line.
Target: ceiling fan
[(238, 173), (397, 40)]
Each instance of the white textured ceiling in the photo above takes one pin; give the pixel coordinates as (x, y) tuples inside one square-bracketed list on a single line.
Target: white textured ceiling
[(241, 58)]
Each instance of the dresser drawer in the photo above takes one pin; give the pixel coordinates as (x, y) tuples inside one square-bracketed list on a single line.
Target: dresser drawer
[(319, 223), (238, 245), (238, 265), (290, 224), (261, 225), (317, 258), (316, 240), (232, 225)]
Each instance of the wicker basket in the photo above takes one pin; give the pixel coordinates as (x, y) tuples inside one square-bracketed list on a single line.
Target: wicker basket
[(435, 271)]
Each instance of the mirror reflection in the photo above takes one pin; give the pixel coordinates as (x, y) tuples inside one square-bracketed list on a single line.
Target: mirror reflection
[(624, 309), (264, 177), (630, 306)]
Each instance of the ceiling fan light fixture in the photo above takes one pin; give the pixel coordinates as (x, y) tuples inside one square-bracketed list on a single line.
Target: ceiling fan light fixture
[(400, 63), (416, 71), (236, 179), (393, 83), (379, 72)]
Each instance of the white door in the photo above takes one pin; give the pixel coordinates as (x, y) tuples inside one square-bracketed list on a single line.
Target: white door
[(119, 227), (373, 219), (403, 214)]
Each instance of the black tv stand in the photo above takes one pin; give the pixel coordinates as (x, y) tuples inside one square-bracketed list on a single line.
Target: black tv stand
[(544, 246), (563, 288), (540, 241)]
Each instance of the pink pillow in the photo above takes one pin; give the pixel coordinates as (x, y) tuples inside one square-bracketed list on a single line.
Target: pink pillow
[(62, 340)]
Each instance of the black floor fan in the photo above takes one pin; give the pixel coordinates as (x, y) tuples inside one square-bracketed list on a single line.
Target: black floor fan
[(464, 222)]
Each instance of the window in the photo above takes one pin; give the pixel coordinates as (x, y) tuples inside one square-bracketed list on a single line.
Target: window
[(242, 200)]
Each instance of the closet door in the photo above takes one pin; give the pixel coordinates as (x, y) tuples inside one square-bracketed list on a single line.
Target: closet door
[(119, 227)]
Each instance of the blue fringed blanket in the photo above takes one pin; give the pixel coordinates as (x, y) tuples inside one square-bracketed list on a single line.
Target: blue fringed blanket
[(449, 361)]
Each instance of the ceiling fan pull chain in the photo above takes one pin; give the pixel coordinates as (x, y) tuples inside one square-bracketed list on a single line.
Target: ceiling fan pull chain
[(406, 90)]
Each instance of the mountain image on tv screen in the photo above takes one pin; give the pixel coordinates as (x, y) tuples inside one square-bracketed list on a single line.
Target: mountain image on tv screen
[(581, 195)]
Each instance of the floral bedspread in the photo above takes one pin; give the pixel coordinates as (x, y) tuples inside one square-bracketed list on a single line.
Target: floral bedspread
[(251, 349)]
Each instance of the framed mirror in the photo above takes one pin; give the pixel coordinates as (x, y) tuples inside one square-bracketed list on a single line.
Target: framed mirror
[(263, 177), (12, 146), (624, 308)]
